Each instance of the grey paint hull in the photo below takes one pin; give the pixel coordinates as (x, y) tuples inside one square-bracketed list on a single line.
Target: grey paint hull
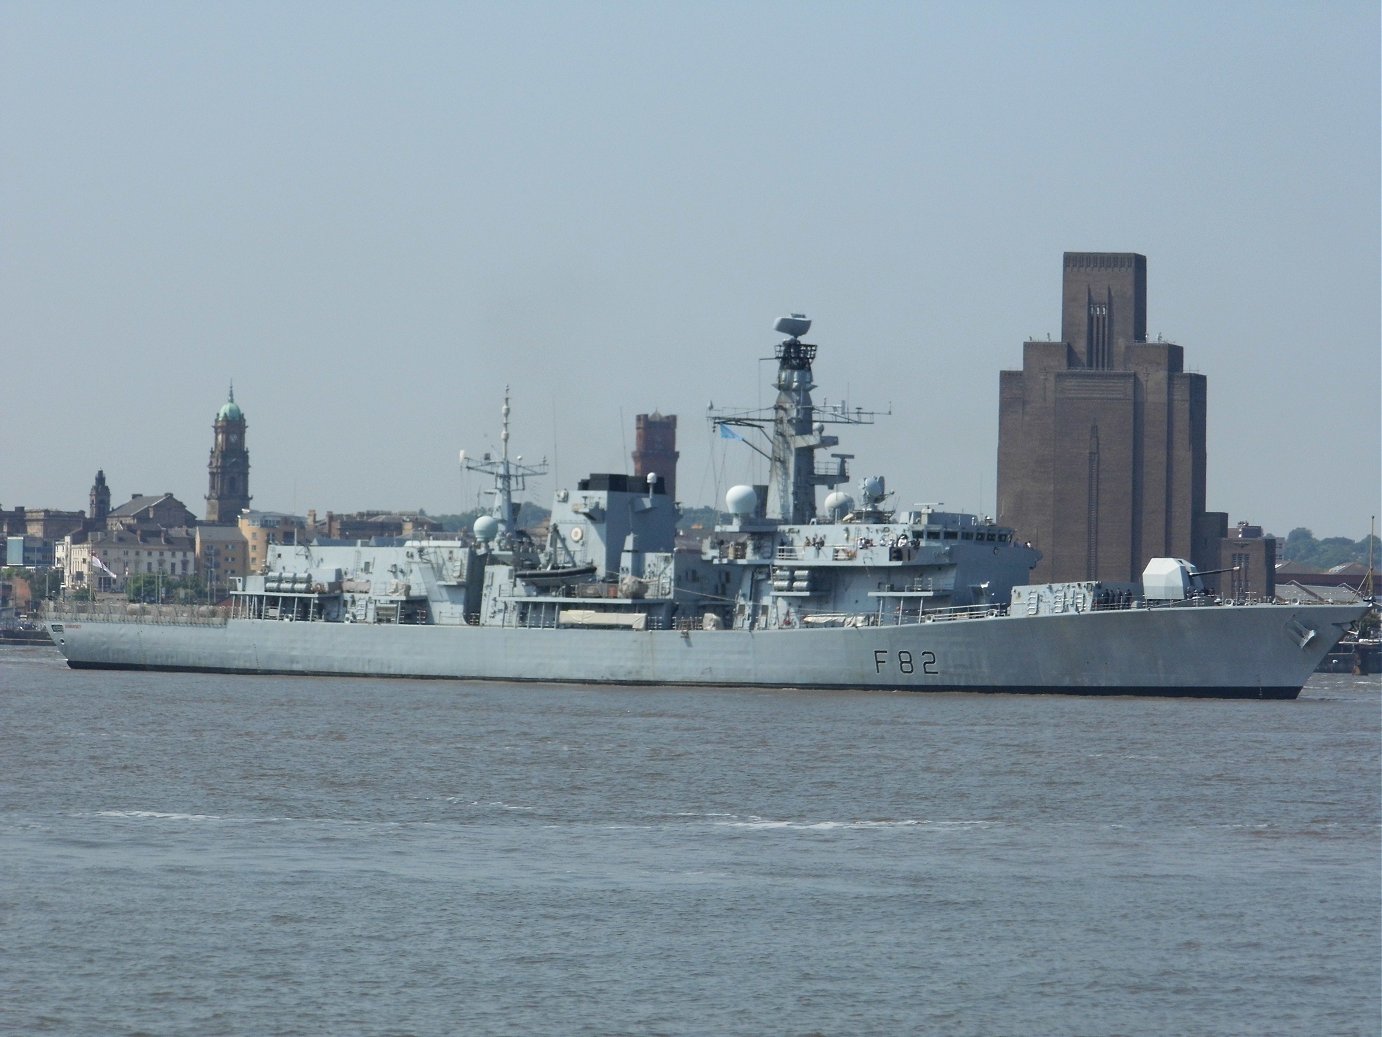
[(1245, 651)]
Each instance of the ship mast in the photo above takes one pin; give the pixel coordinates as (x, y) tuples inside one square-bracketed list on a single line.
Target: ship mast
[(509, 475), (797, 430), (792, 473), (1372, 540)]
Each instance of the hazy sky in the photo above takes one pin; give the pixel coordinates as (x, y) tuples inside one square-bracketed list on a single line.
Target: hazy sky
[(374, 216)]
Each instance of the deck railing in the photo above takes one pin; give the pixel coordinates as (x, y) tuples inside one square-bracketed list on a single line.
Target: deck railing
[(130, 612)]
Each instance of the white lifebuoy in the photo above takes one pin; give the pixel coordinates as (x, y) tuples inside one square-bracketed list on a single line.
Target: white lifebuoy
[(577, 533)]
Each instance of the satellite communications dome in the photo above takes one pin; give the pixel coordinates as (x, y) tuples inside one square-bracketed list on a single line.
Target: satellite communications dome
[(486, 528), (838, 504), (741, 500)]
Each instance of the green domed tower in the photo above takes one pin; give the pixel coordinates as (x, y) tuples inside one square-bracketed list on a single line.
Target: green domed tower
[(229, 491)]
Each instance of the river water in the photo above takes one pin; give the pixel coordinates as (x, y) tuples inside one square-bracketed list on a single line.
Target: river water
[(202, 854)]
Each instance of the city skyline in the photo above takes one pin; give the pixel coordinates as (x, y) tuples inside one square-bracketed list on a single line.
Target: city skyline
[(373, 222), (481, 503)]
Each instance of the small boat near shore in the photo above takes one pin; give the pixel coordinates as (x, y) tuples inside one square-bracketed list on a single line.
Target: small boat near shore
[(16, 631)]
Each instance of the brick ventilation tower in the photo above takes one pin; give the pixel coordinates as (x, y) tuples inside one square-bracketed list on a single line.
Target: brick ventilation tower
[(655, 449), (1101, 436)]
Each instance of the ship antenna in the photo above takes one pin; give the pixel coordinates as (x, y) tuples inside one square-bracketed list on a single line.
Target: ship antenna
[(1372, 542), (508, 475), (796, 429), (504, 499)]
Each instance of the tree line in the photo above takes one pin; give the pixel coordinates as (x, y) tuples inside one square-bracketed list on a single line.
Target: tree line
[(1301, 547)]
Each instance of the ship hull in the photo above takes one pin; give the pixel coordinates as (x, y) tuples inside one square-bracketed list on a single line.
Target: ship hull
[(1253, 651)]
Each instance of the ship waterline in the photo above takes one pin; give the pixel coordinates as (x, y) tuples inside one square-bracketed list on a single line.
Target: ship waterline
[(1250, 651)]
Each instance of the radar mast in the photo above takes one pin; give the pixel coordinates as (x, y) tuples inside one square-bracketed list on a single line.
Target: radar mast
[(509, 475), (797, 430)]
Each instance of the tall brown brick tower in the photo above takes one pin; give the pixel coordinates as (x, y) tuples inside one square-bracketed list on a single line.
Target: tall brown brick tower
[(1101, 436), (655, 449)]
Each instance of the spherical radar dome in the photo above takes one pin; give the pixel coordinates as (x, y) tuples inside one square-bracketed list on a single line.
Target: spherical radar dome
[(741, 500), (838, 504), (486, 528)]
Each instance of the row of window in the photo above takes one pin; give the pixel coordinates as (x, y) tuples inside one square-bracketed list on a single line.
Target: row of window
[(185, 566), (124, 553), (955, 534)]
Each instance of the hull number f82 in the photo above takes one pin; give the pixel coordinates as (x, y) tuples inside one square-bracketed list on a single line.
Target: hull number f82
[(905, 661)]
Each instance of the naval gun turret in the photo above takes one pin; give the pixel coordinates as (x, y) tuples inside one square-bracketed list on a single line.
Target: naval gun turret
[(1175, 579)]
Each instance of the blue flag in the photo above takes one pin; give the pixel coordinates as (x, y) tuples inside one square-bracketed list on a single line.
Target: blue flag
[(728, 433)]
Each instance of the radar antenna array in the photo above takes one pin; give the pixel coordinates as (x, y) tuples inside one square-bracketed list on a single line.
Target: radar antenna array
[(509, 475)]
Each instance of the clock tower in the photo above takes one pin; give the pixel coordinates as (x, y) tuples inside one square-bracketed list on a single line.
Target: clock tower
[(228, 492)]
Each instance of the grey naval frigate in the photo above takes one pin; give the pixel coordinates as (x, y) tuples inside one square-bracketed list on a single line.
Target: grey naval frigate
[(858, 593)]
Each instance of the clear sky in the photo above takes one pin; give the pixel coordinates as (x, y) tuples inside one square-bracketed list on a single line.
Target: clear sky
[(371, 217)]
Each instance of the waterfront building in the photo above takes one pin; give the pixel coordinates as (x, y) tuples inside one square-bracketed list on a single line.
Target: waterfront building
[(261, 529), (51, 524), (222, 556), (1250, 558), (150, 513), (26, 552), (104, 560), (365, 525)]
